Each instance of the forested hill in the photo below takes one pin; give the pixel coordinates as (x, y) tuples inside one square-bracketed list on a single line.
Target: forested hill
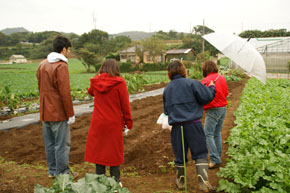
[(9, 31), (136, 35)]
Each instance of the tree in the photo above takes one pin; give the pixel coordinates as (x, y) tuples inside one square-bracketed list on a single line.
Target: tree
[(193, 41), (172, 34), (43, 49), (88, 58), (154, 46), (3, 39), (198, 30), (118, 43), (161, 35), (95, 36), (139, 52), (268, 33)]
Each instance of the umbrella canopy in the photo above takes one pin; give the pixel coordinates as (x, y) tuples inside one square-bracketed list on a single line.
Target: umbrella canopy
[(241, 52)]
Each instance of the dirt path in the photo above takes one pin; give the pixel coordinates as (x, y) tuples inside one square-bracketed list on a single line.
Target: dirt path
[(148, 151)]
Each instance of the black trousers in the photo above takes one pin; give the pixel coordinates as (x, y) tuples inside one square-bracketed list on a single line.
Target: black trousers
[(114, 171), (194, 139)]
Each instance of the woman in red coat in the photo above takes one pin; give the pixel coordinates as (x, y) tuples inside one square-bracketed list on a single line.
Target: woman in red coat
[(111, 113)]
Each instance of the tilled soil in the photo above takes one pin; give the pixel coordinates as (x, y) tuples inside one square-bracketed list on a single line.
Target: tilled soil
[(148, 153)]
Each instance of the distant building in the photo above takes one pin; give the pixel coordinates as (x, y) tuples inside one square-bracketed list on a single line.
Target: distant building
[(130, 55), (147, 58), (181, 54), (17, 59), (260, 42), (276, 55)]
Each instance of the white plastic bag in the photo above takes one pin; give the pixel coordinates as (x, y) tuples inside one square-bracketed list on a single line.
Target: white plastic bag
[(163, 120), (126, 130)]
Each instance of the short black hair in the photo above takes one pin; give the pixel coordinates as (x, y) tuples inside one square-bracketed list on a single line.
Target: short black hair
[(61, 42)]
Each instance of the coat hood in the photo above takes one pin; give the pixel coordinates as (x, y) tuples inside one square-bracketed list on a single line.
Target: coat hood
[(104, 82), (55, 57)]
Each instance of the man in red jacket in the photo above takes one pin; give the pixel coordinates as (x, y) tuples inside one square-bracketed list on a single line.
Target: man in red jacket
[(215, 112), (56, 108)]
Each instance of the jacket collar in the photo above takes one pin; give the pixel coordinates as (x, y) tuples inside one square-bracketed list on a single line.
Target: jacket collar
[(176, 76)]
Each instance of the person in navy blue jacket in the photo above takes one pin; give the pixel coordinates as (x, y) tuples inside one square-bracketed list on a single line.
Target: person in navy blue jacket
[(183, 101)]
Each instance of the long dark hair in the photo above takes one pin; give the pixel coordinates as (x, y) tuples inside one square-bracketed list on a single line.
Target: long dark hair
[(209, 67), (176, 67), (111, 67)]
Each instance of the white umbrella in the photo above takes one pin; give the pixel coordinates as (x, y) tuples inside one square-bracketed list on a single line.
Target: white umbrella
[(241, 52)]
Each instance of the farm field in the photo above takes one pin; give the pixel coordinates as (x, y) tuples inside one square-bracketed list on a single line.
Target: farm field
[(148, 154), (21, 78)]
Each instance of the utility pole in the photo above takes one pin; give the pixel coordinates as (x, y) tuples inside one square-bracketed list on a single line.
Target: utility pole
[(242, 29), (94, 21), (203, 38)]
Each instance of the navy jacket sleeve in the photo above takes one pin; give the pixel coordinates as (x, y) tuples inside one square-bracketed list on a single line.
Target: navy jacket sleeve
[(204, 95), (164, 102)]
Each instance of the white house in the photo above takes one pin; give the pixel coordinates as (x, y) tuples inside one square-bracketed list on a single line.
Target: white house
[(17, 59)]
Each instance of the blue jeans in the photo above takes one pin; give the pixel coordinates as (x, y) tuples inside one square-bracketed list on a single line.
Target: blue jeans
[(213, 126), (57, 146)]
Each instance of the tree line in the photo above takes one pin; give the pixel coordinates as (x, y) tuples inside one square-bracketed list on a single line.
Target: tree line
[(93, 47)]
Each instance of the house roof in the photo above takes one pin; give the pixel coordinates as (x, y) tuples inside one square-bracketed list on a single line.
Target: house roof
[(17, 56), (179, 51), (131, 49)]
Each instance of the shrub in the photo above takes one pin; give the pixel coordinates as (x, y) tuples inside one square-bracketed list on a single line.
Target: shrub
[(188, 64)]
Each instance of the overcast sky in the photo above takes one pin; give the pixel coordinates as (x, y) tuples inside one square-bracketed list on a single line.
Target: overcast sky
[(114, 16)]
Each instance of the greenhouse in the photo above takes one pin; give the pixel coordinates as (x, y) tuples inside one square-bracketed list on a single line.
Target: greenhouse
[(276, 56)]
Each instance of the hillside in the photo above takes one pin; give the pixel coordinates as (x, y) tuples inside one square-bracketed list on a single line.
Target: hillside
[(135, 35), (9, 31)]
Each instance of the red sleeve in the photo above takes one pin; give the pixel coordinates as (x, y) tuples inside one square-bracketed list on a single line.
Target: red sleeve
[(205, 81), (90, 90), (125, 105)]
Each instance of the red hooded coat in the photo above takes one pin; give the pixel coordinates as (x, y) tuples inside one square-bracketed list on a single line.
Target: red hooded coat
[(111, 112)]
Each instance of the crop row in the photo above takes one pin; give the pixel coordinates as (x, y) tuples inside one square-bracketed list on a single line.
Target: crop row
[(259, 144)]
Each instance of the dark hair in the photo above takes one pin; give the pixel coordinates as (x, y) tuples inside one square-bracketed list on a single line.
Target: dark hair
[(111, 67), (59, 43), (176, 67), (209, 67)]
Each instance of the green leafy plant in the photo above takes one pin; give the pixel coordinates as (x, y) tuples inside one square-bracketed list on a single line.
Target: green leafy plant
[(9, 98), (259, 144), (89, 184), (135, 82)]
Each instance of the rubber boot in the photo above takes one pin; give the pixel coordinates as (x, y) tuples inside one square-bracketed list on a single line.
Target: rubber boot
[(202, 174), (179, 181), (115, 172)]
